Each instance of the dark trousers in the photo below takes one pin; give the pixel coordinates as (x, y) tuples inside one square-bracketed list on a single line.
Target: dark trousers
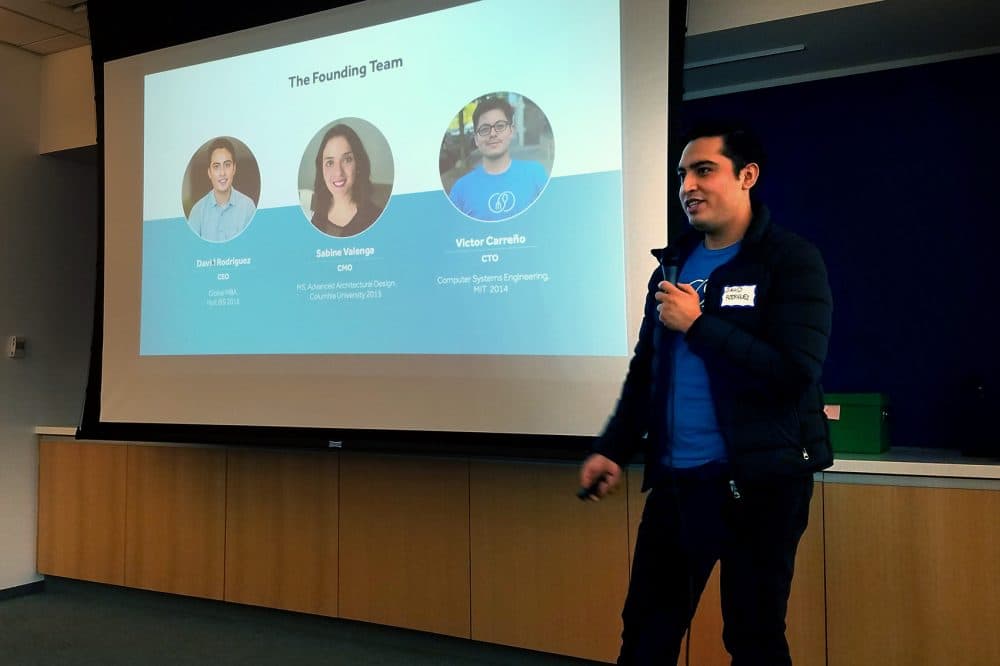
[(692, 520)]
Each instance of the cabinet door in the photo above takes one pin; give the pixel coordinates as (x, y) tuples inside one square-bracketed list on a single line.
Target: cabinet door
[(81, 510), (913, 575)]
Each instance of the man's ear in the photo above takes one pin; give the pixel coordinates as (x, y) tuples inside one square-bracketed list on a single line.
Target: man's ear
[(749, 175)]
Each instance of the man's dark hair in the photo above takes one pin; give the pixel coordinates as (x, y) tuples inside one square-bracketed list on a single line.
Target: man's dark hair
[(225, 144), (362, 190), (739, 144), (490, 104)]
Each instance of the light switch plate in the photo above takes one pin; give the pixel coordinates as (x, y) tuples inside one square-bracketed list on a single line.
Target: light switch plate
[(16, 346)]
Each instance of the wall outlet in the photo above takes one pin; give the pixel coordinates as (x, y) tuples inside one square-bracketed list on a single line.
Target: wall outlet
[(16, 346)]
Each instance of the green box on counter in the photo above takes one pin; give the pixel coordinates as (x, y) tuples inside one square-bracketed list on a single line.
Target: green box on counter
[(858, 422)]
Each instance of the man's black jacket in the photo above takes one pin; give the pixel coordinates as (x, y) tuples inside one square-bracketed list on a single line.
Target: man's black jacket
[(764, 355)]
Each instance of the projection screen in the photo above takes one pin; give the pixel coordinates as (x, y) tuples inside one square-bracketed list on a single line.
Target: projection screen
[(428, 268)]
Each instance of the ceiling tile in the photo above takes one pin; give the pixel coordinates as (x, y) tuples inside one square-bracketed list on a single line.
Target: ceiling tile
[(63, 42), (18, 30), (47, 12)]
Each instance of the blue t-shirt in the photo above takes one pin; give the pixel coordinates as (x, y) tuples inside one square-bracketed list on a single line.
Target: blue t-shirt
[(494, 197), (221, 222), (692, 428)]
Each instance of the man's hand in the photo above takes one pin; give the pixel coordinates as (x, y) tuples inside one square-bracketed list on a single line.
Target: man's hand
[(597, 467), (679, 305)]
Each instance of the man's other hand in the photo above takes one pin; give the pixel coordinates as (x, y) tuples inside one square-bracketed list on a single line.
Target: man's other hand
[(600, 467)]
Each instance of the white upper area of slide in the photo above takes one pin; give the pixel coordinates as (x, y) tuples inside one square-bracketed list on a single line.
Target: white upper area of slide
[(562, 57)]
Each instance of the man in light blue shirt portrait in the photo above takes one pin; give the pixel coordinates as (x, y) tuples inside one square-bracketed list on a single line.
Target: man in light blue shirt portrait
[(224, 212), (499, 187)]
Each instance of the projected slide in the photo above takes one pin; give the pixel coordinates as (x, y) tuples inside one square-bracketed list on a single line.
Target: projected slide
[(444, 184)]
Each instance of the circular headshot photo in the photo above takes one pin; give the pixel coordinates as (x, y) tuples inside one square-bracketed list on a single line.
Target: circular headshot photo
[(345, 177), (221, 189), (496, 156)]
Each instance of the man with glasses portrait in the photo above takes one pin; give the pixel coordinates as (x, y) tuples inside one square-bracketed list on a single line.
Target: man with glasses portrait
[(500, 186)]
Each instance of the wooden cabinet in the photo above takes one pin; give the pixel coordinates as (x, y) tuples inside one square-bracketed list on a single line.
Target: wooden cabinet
[(81, 510), (175, 520), (549, 572), (282, 510), (913, 575), (503, 552), (404, 542)]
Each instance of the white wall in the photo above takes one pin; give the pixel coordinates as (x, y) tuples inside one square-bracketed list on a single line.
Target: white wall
[(48, 240), (68, 119)]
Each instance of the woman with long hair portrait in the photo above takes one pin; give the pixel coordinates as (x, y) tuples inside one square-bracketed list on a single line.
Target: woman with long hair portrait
[(341, 201)]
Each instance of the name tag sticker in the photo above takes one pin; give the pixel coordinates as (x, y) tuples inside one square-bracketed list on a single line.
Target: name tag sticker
[(739, 295)]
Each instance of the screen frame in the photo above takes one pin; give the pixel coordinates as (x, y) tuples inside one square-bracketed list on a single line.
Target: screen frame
[(189, 22)]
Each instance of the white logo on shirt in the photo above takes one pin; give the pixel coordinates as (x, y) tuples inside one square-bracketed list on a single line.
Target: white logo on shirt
[(501, 202), (700, 286)]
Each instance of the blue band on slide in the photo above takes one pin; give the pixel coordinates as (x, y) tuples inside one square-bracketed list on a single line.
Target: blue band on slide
[(554, 286)]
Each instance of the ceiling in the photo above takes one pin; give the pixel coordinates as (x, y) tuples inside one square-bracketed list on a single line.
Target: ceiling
[(873, 35), (878, 35), (44, 26)]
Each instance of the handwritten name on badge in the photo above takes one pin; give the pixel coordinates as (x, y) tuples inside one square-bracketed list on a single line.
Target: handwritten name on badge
[(739, 295)]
